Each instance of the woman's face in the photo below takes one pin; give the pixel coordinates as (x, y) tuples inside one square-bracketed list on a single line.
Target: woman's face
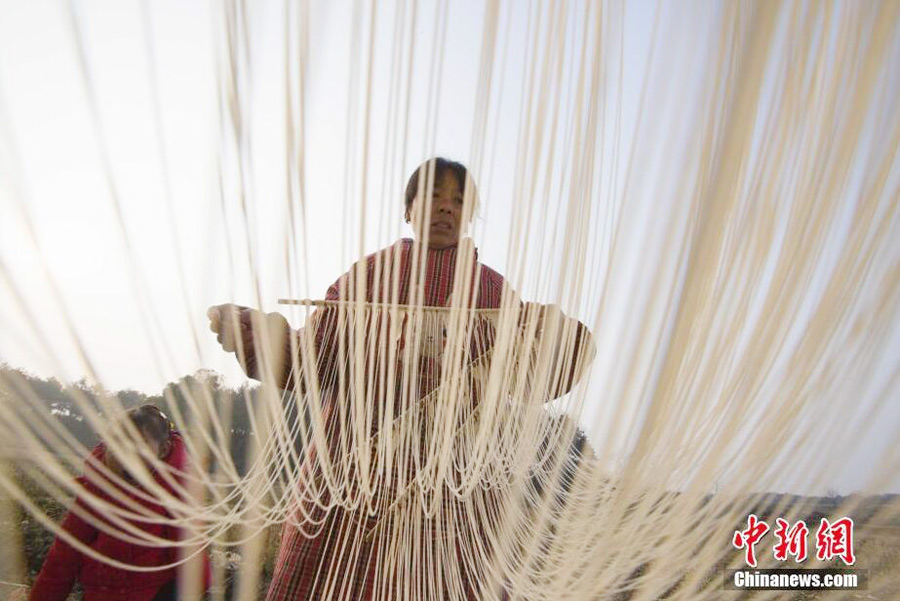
[(444, 223), (157, 448)]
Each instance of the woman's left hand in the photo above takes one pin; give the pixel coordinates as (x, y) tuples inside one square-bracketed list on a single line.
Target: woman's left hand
[(562, 343)]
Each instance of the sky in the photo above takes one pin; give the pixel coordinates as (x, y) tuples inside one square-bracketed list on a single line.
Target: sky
[(122, 208), (149, 119)]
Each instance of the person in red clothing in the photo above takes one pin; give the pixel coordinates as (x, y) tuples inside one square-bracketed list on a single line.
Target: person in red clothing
[(64, 564), (344, 558)]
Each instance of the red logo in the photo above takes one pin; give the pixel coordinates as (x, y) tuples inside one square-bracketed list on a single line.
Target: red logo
[(747, 539), (791, 541), (835, 540)]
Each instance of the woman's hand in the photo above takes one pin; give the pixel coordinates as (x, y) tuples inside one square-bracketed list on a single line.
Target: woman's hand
[(538, 316), (252, 335), (563, 346), (230, 323)]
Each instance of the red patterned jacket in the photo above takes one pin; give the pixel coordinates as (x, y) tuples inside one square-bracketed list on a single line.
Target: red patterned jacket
[(335, 560)]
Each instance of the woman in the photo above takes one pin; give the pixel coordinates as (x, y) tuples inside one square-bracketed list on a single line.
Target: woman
[(343, 559), (64, 564)]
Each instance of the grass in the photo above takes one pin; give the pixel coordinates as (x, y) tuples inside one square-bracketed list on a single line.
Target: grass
[(877, 547)]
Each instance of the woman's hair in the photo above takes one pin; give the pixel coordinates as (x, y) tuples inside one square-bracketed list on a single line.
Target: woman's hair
[(152, 422), (440, 166)]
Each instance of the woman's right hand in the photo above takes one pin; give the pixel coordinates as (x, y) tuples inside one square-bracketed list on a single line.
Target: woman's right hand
[(230, 323), (245, 331)]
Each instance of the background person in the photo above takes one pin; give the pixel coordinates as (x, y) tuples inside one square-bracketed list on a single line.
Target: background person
[(64, 565)]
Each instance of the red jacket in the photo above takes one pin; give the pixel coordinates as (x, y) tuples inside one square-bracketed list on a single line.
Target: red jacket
[(101, 581), (308, 566)]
